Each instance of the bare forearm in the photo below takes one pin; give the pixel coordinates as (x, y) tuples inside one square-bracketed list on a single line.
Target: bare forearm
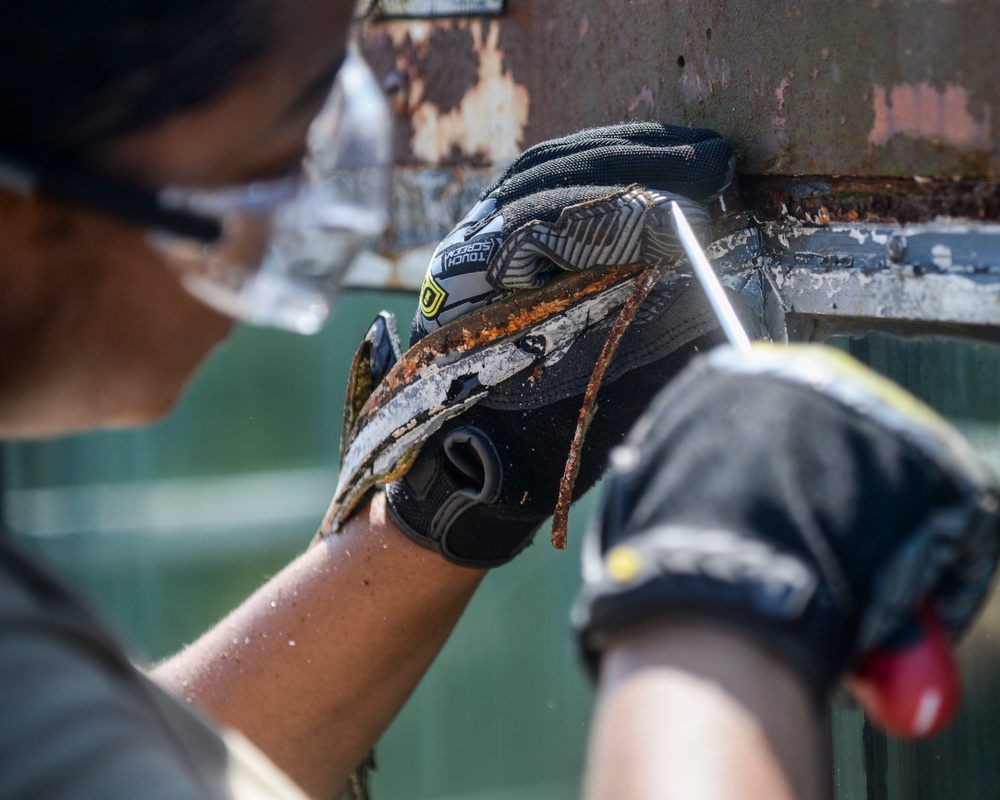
[(314, 666), (695, 711)]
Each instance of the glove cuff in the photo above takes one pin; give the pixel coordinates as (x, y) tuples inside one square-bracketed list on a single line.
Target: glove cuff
[(676, 570)]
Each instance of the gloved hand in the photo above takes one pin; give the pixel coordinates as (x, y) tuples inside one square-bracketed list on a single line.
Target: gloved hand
[(798, 496), (485, 481)]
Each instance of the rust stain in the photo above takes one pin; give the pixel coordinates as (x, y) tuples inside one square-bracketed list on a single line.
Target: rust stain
[(823, 198), (488, 122), (920, 111)]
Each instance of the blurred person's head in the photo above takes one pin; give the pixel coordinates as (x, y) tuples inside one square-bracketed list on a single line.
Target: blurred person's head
[(202, 93)]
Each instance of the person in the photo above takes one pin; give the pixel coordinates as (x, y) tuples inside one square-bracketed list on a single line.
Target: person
[(142, 168), (99, 331)]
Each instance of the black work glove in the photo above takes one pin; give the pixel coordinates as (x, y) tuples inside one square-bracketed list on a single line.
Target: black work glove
[(798, 496), (483, 484)]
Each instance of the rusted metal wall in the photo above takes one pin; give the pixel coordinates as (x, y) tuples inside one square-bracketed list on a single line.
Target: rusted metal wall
[(886, 104), (880, 87)]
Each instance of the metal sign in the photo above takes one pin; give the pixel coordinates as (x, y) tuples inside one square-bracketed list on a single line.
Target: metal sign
[(439, 8)]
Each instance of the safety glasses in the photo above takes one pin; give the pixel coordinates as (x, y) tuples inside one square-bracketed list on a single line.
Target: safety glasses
[(270, 252)]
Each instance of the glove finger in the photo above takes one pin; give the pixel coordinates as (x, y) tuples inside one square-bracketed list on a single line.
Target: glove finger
[(627, 227), (652, 134), (700, 171)]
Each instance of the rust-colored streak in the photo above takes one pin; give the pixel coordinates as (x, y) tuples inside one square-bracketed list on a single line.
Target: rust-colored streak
[(823, 199), (560, 518)]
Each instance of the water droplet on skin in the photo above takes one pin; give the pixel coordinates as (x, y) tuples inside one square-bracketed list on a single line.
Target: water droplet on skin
[(246, 640), (291, 643), (236, 641), (189, 699), (274, 604)]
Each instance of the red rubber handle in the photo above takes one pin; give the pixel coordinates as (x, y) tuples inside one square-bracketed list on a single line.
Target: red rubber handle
[(910, 687)]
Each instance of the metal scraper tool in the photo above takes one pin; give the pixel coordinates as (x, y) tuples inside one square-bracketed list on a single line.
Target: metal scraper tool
[(710, 283)]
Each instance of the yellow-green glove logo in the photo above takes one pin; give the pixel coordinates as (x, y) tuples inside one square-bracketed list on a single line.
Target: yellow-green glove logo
[(432, 297)]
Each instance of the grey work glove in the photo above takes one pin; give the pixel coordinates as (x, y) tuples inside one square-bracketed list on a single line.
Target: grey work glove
[(597, 197), (795, 495), (485, 481)]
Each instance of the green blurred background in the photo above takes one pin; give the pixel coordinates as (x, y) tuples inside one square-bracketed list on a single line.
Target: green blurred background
[(167, 528)]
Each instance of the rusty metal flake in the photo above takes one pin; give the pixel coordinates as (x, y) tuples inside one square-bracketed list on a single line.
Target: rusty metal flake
[(641, 291), (493, 322)]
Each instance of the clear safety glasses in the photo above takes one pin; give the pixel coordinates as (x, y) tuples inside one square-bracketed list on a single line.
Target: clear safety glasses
[(269, 252), (285, 245)]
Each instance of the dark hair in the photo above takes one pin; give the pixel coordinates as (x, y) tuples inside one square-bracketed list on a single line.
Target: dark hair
[(75, 73)]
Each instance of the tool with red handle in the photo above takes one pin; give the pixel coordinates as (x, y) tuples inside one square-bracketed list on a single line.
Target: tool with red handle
[(910, 686)]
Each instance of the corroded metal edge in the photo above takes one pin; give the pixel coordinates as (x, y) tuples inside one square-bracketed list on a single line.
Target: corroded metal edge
[(806, 282)]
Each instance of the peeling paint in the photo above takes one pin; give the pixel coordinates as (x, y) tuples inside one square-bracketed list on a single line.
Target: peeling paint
[(941, 254), (920, 111), (779, 92), (489, 121), (645, 96)]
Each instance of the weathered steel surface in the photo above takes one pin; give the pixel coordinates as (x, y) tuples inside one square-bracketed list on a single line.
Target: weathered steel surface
[(809, 282), (882, 87)]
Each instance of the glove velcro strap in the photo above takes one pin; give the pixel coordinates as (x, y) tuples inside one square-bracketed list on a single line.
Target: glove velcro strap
[(679, 571), (447, 501)]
